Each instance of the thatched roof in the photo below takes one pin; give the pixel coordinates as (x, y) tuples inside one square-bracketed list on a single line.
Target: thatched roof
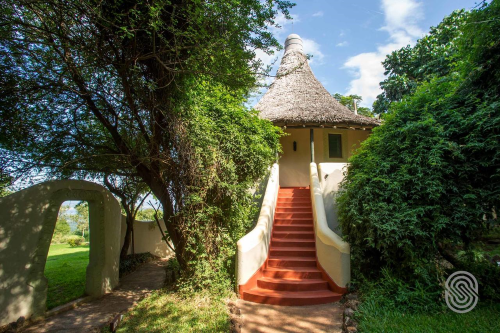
[(297, 98)]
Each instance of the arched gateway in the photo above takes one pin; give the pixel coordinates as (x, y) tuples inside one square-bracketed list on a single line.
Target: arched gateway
[(27, 221)]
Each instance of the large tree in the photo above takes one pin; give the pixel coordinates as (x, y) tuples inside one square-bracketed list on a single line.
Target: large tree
[(428, 180), (126, 79), (434, 55)]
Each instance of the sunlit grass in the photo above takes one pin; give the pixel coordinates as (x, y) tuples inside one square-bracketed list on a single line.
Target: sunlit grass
[(167, 311), (484, 318), (65, 270)]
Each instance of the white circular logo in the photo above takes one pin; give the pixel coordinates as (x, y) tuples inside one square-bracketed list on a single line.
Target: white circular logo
[(461, 292)]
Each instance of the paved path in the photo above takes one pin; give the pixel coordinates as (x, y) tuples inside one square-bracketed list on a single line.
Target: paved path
[(91, 316), (273, 319)]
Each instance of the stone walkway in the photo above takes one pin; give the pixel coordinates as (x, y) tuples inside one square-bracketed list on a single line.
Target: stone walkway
[(273, 319), (90, 317)]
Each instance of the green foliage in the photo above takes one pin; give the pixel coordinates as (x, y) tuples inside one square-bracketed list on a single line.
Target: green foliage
[(349, 102), (61, 231), (435, 55), (423, 294), (5, 182), (81, 218), (152, 89), (424, 180), (147, 214), (132, 261), (216, 198), (74, 240), (62, 228)]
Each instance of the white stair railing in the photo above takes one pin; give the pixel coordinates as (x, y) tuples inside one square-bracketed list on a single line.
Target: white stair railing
[(332, 252), (253, 248)]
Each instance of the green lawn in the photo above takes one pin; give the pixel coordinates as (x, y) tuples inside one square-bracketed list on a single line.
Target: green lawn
[(484, 318), (65, 271)]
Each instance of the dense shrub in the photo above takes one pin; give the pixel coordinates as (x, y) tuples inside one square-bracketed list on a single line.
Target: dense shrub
[(74, 240), (429, 175), (234, 149), (420, 295), (132, 261)]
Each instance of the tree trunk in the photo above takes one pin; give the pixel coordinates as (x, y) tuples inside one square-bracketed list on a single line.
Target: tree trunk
[(128, 235), (178, 239)]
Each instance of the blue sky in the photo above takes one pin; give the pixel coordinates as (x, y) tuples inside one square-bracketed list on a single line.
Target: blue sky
[(349, 39)]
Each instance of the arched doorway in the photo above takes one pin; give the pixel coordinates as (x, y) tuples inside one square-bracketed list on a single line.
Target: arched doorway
[(28, 219)]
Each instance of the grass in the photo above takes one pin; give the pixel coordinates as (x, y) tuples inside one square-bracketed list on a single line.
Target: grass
[(65, 270), (167, 311), (484, 318)]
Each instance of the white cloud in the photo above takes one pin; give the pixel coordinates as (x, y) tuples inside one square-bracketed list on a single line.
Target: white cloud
[(313, 48), (318, 14), (284, 23), (401, 19), (341, 44), (342, 33)]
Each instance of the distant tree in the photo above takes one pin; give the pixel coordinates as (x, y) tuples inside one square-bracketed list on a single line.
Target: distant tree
[(349, 102), (435, 55), (5, 180), (146, 214), (132, 192), (62, 227), (81, 218)]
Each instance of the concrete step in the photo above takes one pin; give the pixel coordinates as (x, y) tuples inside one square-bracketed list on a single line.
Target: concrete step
[(290, 298), (293, 235), (280, 261), (306, 215), (292, 284), (294, 227), (292, 252), (283, 242), (308, 220)]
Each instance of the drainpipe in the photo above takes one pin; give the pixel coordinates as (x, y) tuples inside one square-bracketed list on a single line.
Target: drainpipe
[(312, 145)]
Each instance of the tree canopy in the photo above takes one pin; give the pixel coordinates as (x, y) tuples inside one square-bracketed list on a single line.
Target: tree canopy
[(153, 89), (434, 55)]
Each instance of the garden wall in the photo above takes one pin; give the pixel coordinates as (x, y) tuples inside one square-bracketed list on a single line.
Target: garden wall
[(147, 238)]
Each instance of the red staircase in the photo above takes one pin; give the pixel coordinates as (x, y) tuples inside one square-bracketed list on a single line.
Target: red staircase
[(291, 275)]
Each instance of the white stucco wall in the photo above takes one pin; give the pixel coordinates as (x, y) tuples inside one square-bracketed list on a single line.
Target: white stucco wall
[(330, 175), (294, 165), (27, 221), (147, 238)]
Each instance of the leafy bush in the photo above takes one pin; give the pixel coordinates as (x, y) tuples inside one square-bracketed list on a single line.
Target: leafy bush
[(74, 240), (428, 176), (423, 293), (132, 261), (229, 149)]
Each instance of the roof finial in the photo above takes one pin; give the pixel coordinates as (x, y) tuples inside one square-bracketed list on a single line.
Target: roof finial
[(293, 43)]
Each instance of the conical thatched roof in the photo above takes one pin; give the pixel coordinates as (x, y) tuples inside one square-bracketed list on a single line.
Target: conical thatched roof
[(297, 98)]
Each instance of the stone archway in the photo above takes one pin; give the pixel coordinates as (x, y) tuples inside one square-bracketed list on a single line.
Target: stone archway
[(27, 221)]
